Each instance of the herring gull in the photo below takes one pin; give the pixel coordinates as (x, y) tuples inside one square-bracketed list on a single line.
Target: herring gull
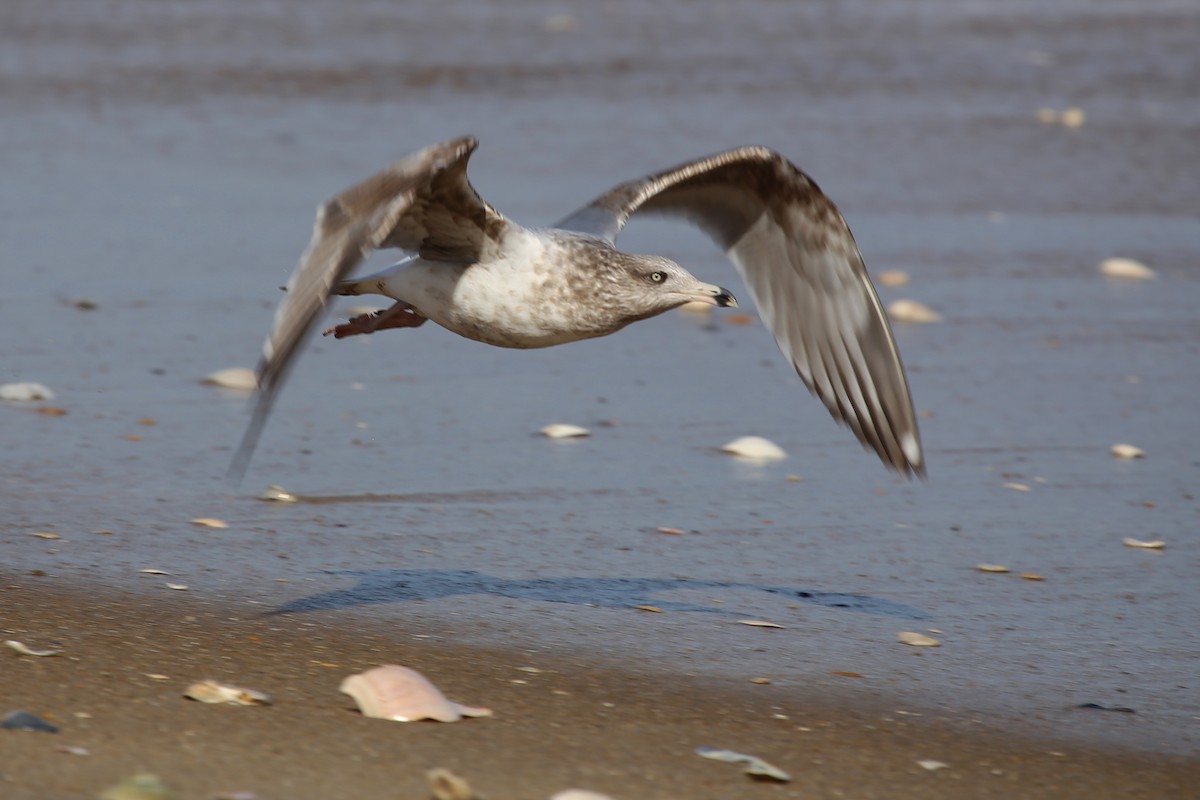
[(483, 276)]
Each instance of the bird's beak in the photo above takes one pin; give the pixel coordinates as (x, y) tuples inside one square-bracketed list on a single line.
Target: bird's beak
[(711, 293)]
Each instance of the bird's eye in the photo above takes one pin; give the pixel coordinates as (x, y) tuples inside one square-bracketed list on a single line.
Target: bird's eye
[(658, 277)]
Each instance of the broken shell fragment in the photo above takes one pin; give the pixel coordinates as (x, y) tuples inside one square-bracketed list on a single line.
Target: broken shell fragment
[(893, 277), (1157, 544), (931, 765), (1126, 268), (142, 786), (210, 522), (238, 378), (1126, 451), (24, 392), (756, 448), (758, 623), (564, 431), (445, 785), (912, 311), (210, 691), (27, 651), (277, 494), (405, 695), (914, 639), (992, 568), (24, 721), (755, 766)]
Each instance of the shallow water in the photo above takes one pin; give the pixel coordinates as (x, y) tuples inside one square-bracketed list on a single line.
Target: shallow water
[(163, 160)]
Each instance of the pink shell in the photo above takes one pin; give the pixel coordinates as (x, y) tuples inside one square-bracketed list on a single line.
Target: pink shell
[(405, 695)]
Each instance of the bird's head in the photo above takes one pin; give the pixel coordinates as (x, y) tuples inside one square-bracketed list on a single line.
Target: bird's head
[(649, 285)]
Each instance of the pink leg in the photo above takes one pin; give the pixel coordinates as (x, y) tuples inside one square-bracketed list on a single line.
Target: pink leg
[(398, 316)]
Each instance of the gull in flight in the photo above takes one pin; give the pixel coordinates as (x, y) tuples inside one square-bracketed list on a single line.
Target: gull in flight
[(481, 275)]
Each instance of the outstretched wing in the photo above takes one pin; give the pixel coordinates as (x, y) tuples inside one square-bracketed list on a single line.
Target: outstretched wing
[(801, 264), (422, 203)]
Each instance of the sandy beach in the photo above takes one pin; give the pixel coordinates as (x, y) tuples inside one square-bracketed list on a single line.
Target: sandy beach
[(162, 162), (117, 690)]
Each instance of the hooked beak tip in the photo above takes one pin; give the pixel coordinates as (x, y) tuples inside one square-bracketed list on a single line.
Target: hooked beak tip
[(725, 299)]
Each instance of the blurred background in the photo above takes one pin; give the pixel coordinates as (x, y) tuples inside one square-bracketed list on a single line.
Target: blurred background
[(161, 163)]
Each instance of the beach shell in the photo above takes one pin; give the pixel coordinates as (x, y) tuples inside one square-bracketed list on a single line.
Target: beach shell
[(992, 568), (1157, 544), (931, 765), (917, 639), (1126, 268), (210, 691), (893, 277), (758, 623), (445, 785), (405, 695), (24, 721), (277, 494), (142, 786), (210, 522), (755, 766), (696, 307), (754, 447), (24, 392), (24, 650), (912, 311), (562, 430), (1126, 451), (239, 378), (1072, 117)]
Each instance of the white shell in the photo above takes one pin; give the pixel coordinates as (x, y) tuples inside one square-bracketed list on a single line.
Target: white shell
[(696, 307), (24, 392), (277, 494), (1126, 268), (561, 430), (210, 522), (1072, 117), (1157, 544), (755, 447), (239, 378), (912, 311), (405, 695), (992, 568), (917, 639), (931, 765), (1127, 451), (754, 765), (25, 650), (210, 691), (892, 277)]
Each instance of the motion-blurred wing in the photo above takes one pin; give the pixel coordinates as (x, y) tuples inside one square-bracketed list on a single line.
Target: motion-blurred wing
[(801, 264), (422, 203)]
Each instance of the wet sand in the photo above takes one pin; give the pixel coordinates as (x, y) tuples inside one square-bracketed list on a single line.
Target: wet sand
[(162, 162), (117, 691)]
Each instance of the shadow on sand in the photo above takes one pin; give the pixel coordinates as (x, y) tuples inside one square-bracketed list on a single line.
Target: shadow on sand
[(400, 585)]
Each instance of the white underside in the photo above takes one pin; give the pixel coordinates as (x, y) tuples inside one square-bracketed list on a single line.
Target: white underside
[(506, 301)]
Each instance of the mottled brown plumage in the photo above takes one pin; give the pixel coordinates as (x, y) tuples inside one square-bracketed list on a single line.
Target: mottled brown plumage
[(484, 277)]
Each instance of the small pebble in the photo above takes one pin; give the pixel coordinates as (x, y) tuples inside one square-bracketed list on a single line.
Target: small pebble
[(912, 311), (914, 639), (1126, 268), (564, 431), (1126, 451), (756, 448), (1031, 576)]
